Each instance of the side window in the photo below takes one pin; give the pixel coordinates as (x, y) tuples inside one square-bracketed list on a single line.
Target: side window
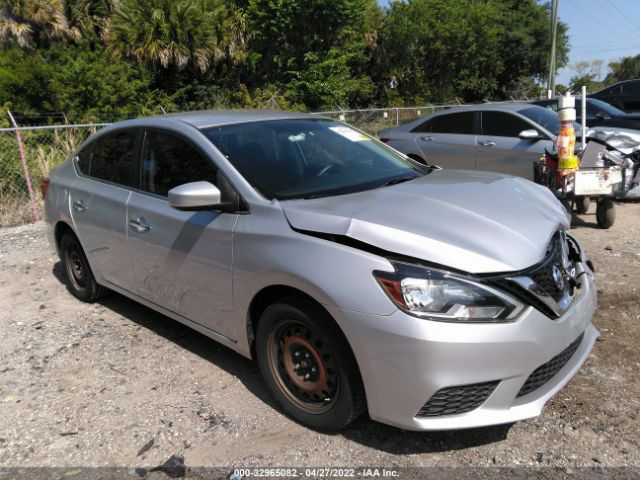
[(113, 157), (169, 161), (458, 123), (501, 124), (83, 159), (631, 88), (553, 106)]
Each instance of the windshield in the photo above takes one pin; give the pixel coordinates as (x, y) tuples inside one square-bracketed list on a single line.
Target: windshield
[(546, 119), (306, 158)]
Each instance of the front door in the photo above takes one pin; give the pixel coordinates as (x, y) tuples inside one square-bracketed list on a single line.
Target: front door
[(500, 149), (182, 260)]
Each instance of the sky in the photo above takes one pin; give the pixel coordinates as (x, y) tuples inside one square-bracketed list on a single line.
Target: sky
[(600, 30)]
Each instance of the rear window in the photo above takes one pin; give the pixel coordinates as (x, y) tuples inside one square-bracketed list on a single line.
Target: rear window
[(113, 157), (457, 123)]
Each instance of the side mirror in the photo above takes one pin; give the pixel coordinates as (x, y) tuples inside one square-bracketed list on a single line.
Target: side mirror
[(194, 196), (529, 134), (602, 116)]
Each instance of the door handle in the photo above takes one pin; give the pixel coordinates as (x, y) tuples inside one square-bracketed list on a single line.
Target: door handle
[(428, 139), (79, 206), (488, 143), (139, 224)]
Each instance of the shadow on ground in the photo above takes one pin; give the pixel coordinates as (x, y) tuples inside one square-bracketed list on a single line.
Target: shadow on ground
[(363, 430)]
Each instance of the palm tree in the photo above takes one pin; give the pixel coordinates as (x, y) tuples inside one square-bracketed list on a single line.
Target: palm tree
[(33, 23), (89, 17), (167, 33)]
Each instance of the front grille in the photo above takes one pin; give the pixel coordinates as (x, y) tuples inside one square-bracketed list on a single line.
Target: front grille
[(458, 399), (544, 373), (542, 273), (545, 286)]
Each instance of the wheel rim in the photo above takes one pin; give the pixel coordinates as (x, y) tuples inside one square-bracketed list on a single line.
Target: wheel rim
[(302, 364), (75, 267)]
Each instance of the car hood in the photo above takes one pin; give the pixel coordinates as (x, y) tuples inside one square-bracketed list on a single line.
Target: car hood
[(477, 222)]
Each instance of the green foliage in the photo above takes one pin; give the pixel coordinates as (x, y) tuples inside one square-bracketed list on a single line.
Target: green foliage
[(468, 49), (102, 60), (166, 33), (627, 68), (587, 74)]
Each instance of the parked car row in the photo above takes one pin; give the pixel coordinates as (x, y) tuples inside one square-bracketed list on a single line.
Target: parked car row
[(511, 137)]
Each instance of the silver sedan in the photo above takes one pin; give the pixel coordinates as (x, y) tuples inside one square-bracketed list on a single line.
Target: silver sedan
[(506, 138), (357, 279)]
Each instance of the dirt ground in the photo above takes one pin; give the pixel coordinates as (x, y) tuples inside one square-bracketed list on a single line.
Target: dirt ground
[(116, 384)]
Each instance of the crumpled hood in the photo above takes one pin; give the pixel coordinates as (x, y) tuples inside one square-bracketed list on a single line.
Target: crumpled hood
[(478, 222)]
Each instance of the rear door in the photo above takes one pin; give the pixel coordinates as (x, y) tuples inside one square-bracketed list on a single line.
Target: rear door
[(448, 140), (98, 204), (501, 150), (182, 260)]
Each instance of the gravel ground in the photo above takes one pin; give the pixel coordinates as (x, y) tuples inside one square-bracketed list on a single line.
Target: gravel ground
[(116, 384)]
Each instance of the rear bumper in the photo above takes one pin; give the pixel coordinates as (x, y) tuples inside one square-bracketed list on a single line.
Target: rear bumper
[(405, 360)]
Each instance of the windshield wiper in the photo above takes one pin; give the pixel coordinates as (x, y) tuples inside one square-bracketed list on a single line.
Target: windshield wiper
[(395, 181)]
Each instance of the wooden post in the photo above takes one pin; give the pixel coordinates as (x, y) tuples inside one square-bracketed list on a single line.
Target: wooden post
[(25, 168)]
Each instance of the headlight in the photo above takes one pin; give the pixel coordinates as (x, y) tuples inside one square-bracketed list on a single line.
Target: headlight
[(444, 296)]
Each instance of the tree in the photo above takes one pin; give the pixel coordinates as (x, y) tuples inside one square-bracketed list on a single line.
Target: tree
[(167, 34), (33, 23), (627, 68), (319, 51), (440, 49), (89, 17), (587, 74)]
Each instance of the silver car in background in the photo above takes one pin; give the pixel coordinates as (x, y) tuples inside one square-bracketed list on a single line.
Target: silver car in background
[(503, 137), (359, 280)]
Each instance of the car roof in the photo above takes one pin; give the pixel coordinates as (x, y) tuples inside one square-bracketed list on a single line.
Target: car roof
[(616, 83), (510, 106), (212, 118)]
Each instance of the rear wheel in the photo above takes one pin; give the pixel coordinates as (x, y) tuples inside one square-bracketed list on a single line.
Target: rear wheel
[(582, 204), (308, 366), (606, 212), (80, 280)]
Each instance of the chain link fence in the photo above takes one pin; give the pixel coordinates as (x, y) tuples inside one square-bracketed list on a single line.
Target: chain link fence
[(42, 149), (47, 146)]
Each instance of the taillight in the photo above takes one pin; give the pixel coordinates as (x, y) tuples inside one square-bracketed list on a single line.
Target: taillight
[(44, 186)]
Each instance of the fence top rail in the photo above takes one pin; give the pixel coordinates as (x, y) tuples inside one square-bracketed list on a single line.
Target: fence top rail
[(52, 127)]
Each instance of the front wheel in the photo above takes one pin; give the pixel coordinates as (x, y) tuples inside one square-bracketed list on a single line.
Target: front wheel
[(308, 366)]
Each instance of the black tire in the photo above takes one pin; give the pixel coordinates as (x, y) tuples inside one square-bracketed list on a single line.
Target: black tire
[(293, 338), (80, 280), (582, 204), (606, 213)]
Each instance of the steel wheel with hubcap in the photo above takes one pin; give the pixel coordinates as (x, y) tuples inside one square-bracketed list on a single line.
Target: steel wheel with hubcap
[(307, 364)]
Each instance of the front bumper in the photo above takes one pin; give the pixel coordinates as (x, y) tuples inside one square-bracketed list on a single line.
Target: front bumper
[(405, 360)]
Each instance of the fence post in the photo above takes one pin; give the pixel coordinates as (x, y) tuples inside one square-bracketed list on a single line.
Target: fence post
[(25, 167), (397, 117)]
